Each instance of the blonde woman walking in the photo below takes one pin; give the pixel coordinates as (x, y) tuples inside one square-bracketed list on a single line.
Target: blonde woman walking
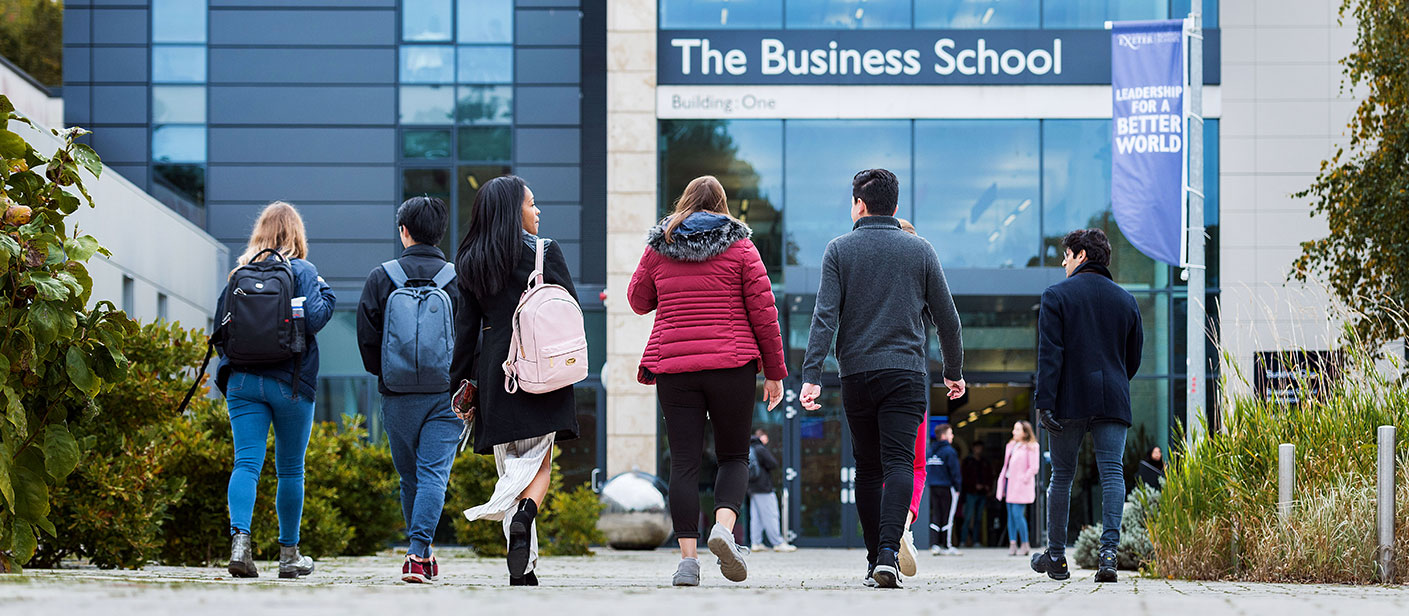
[(1017, 484)]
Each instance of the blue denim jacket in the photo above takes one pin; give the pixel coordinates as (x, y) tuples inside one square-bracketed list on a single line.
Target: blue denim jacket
[(317, 310)]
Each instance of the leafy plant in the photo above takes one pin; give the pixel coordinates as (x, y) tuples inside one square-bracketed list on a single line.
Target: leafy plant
[(567, 520), (1134, 550), (1363, 190), (56, 354)]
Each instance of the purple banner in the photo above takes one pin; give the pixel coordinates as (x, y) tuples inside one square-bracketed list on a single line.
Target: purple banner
[(1147, 161)]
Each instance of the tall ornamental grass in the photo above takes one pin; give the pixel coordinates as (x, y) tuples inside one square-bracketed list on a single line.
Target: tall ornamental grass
[(1218, 514)]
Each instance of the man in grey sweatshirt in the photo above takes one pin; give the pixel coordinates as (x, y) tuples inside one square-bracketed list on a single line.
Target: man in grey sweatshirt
[(877, 282)]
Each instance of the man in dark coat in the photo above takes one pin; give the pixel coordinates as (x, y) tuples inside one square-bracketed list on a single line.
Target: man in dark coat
[(1088, 348), (763, 503)]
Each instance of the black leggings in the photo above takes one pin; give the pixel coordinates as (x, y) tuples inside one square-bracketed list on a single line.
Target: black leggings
[(726, 398)]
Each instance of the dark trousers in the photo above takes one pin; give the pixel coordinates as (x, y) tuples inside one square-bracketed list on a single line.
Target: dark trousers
[(1109, 440), (943, 503), (725, 397), (884, 409)]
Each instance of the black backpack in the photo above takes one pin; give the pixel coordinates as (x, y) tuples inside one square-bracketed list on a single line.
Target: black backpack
[(258, 327)]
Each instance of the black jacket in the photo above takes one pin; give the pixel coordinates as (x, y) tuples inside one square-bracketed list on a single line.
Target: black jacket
[(978, 475), (1089, 340), (419, 261), (764, 483), (483, 325)]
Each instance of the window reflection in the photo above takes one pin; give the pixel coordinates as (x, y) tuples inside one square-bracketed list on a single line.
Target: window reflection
[(427, 104), (977, 14), (178, 144), (425, 20), (485, 104), (976, 191), (489, 143), (486, 64), (1095, 13), (747, 157), (486, 21), (821, 158), (1076, 194), (425, 144), (185, 182), (427, 64), (469, 178), (178, 63), (178, 21), (178, 104), (848, 14), (1000, 334), (709, 14), (1180, 8)]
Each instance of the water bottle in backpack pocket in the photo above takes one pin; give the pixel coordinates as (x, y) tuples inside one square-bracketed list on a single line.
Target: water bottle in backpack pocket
[(418, 332)]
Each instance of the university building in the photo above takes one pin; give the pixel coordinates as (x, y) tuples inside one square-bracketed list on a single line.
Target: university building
[(995, 116)]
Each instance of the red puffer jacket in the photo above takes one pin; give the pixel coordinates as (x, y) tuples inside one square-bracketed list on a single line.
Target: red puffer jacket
[(713, 301)]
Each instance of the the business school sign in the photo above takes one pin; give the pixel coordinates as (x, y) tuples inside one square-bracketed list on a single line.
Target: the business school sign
[(889, 57)]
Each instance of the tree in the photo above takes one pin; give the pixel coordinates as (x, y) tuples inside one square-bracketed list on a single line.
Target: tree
[(32, 37), (1361, 190)]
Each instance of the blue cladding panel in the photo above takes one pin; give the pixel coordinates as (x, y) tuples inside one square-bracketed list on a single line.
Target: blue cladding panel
[(550, 27), (302, 145), (76, 26), (305, 3), (118, 64), (120, 26), (547, 105), (548, 145), (349, 260), (137, 174), (553, 184), (300, 66), (548, 66), (77, 65), (325, 221), (302, 105), (77, 105), (298, 28), (119, 105), (121, 145), (560, 222), (301, 183)]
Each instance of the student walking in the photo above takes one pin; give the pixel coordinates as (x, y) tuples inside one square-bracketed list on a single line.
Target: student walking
[(909, 556), (274, 295), (405, 332), (978, 478), (495, 258), (763, 503), (944, 481), (888, 278), (1017, 484), (716, 327), (1089, 341)]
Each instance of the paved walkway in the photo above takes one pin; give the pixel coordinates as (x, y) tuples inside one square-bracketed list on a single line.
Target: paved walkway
[(614, 583)]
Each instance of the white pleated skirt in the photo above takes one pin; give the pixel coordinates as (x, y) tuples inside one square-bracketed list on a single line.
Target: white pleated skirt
[(517, 463)]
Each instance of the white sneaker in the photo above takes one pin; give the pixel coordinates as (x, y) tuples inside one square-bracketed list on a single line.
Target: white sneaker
[(907, 555), (757, 547), (935, 551), (953, 551), (785, 547)]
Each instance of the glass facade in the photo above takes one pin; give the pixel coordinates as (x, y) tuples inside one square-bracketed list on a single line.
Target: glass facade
[(994, 197), (178, 102), (935, 14)]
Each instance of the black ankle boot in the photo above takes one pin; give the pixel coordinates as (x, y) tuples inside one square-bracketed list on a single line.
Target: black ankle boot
[(520, 540)]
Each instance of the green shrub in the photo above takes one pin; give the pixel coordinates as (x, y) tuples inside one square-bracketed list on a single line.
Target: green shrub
[(1135, 550), (567, 521), (1218, 513), (56, 353)]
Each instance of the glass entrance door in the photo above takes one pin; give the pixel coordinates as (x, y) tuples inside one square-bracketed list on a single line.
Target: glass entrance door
[(821, 490)]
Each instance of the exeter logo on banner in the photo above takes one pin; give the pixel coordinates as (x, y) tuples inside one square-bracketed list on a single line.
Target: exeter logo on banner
[(1147, 162)]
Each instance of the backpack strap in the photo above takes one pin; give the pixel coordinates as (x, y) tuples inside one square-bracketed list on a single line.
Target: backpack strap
[(394, 271), (444, 276), (536, 278)]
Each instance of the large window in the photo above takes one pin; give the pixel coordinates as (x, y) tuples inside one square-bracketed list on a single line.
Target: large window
[(936, 14), (178, 103)]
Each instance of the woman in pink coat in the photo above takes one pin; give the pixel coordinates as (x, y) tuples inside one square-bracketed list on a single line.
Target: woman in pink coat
[(716, 328), (1017, 483)]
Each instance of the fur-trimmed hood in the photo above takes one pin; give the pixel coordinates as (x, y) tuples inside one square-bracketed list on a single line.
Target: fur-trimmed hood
[(700, 237)]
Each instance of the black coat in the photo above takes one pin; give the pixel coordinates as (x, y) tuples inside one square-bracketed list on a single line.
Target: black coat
[(419, 261), (764, 483), (1089, 340), (482, 334)]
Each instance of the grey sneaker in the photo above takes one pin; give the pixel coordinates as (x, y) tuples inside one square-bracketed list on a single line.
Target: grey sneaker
[(292, 564), (688, 574), (731, 556), (242, 557)]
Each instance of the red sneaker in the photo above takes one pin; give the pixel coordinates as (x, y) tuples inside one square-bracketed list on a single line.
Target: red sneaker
[(435, 569), (416, 571)]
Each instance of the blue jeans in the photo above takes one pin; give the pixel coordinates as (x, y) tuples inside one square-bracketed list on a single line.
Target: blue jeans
[(424, 433), (1109, 439), (1017, 522), (255, 403), (973, 517)]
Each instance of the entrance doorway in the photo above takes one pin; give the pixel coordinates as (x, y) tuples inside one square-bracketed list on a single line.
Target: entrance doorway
[(985, 417)]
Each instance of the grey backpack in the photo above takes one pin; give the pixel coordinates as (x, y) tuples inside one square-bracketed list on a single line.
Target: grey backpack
[(418, 332)]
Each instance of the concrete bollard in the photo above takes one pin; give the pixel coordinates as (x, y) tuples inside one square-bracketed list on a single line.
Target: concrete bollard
[(1286, 479), (1385, 521)]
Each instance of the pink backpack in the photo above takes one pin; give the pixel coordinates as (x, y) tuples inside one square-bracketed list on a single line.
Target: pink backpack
[(548, 349)]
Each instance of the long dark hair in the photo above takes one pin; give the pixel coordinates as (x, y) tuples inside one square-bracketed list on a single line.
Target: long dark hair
[(490, 249)]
